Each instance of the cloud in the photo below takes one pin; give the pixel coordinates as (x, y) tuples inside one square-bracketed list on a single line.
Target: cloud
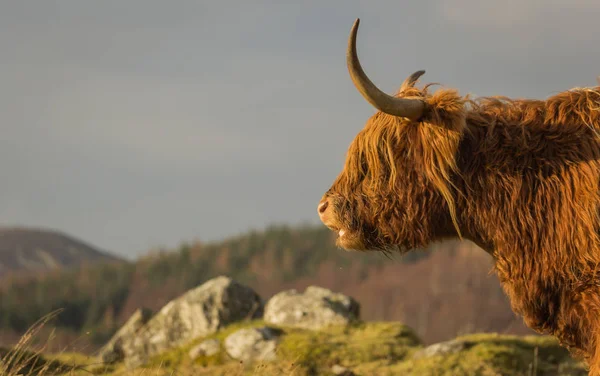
[(529, 20)]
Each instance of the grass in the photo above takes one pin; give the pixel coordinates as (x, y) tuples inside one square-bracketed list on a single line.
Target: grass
[(22, 360), (367, 348)]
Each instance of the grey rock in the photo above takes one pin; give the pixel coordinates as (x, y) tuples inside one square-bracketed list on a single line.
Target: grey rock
[(113, 351), (442, 348), (197, 313), (316, 308), (338, 370), (209, 347), (252, 344)]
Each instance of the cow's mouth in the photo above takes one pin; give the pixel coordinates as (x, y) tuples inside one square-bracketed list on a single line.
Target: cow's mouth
[(349, 240), (341, 232)]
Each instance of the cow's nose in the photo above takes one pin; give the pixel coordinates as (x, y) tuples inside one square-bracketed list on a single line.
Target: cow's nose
[(323, 206)]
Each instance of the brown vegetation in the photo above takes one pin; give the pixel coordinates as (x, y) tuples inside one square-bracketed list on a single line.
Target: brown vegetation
[(443, 291)]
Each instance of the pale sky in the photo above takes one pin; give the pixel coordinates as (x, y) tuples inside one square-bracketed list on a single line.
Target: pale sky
[(136, 124)]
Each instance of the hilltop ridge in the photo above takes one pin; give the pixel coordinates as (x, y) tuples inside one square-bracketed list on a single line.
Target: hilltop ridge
[(29, 249)]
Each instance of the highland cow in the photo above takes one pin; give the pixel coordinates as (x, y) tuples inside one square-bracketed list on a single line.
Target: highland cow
[(519, 178)]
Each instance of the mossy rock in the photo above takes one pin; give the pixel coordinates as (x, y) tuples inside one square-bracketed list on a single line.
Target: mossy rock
[(348, 346), (378, 348), (307, 352), (179, 357), (492, 354)]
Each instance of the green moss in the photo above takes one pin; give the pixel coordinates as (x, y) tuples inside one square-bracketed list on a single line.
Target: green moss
[(374, 348), (308, 351), (491, 354), (349, 346)]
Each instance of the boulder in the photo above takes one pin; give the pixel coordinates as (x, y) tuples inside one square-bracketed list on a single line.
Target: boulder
[(197, 313), (252, 344), (316, 308), (209, 347), (113, 351)]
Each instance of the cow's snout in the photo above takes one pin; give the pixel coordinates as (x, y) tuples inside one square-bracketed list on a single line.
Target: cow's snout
[(323, 206), (322, 209)]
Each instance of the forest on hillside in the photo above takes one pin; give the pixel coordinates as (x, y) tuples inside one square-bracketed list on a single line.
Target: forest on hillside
[(441, 292)]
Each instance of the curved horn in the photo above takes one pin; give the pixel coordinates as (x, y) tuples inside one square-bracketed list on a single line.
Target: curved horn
[(409, 108)]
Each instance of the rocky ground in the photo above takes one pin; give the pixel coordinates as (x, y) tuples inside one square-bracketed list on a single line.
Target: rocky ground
[(224, 328)]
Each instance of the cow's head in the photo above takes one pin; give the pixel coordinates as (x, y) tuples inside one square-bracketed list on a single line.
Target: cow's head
[(395, 190)]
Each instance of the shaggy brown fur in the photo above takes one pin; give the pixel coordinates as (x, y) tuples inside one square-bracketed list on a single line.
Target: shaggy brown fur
[(520, 178)]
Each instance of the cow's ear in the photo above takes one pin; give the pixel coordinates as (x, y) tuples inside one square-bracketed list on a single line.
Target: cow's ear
[(446, 109)]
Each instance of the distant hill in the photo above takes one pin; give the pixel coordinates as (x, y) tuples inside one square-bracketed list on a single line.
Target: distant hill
[(33, 250), (441, 292)]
